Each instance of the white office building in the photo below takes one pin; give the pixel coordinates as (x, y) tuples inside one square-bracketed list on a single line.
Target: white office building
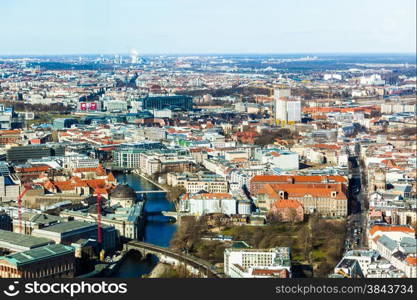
[(208, 203), (252, 263), (278, 158)]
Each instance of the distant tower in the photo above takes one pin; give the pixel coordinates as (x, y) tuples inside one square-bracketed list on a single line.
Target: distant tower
[(133, 56)]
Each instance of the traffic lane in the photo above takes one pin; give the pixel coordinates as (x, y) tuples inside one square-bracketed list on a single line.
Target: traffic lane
[(354, 237)]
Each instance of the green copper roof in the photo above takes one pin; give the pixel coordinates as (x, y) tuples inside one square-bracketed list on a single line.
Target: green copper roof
[(37, 254), (22, 240)]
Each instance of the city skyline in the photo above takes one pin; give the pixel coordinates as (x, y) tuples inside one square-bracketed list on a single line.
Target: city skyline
[(156, 27)]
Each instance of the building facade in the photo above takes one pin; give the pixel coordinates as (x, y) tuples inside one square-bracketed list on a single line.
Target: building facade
[(168, 102), (208, 203), (51, 261), (241, 263)]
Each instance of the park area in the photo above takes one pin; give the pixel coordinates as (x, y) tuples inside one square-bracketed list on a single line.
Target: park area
[(316, 245)]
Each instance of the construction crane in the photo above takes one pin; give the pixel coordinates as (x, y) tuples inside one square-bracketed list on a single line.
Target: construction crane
[(99, 240), (343, 273), (19, 206)]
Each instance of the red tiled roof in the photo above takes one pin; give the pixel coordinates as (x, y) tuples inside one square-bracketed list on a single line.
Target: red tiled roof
[(283, 273), (326, 146), (404, 229), (33, 169), (111, 177), (297, 178), (301, 190), (285, 203), (412, 261)]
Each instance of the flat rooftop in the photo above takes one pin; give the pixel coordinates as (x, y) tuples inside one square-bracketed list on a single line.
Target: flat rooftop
[(22, 240), (37, 255), (68, 226)]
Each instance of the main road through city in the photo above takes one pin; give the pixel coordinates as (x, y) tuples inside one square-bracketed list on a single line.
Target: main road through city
[(357, 220)]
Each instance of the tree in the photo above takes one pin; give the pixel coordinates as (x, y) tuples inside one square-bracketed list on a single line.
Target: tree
[(304, 236), (55, 137), (268, 136), (323, 269), (218, 220), (292, 215), (274, 218), (257, 237), (175, 192)]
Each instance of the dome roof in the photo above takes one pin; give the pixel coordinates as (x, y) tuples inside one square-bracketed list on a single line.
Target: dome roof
[(123, 191)]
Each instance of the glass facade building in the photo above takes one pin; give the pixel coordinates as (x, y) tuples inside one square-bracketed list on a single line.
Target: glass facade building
[(168, 102)]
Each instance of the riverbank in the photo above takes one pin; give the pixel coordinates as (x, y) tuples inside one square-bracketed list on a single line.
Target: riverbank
[(156, 232), (159, 270), (139, 173), (172, 192)]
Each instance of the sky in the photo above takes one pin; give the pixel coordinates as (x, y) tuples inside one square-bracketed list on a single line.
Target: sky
[(207, 26)]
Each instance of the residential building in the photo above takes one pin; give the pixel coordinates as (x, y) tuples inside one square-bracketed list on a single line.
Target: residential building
[(201, 181)]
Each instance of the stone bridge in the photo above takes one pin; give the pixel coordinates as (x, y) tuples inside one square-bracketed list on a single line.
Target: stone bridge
[(193, 264)]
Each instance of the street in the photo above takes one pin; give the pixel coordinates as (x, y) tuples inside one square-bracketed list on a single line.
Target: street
[(356, 225)]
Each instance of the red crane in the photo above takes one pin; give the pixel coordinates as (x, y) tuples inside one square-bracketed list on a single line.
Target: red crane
[(19, 206), (98, 216)]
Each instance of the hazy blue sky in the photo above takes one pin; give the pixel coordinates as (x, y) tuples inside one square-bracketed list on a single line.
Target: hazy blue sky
[(209, 26)]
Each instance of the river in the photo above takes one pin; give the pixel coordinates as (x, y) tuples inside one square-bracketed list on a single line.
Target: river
[(157, 230)]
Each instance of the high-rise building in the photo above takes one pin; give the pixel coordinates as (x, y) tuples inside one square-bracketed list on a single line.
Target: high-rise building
[(286, 108)]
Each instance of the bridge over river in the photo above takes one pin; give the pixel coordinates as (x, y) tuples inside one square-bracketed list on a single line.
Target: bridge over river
[(149, 192), (193, 264)]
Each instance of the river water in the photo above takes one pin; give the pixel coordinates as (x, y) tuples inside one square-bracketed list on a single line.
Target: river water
[(157, 230)]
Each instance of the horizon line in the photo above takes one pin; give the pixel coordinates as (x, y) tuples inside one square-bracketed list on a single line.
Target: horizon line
[(216, 54)]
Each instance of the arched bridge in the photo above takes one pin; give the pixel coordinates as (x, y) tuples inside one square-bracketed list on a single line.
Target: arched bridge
[(193, 264)]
